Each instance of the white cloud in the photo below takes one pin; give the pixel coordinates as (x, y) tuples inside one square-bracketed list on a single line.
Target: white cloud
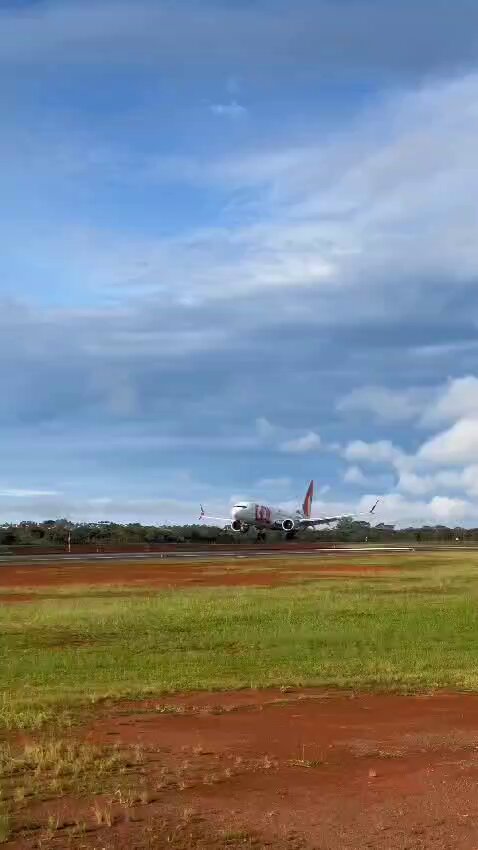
[(470, 480), (456, 400), (385, 404), (310, 442), (401, 511), (381, 451), (156, 511), (448, 510), (228, 110), (354, 475), (17, 493), (349, 213), (417, 485), (265, 429), (464, 480), (430, 405), (395, 508), (334, 219), (337, 218), (456, 445), (443, 464)]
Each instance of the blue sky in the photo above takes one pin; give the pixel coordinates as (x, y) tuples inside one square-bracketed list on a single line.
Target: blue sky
[(238, 249)]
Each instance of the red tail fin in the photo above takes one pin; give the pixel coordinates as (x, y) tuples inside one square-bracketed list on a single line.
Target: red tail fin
[(307, 505)]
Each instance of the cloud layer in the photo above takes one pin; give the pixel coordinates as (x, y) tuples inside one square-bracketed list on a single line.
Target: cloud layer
[(224, 259), (362, 35)]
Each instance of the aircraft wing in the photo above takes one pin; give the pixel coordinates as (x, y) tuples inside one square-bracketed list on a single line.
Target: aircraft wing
[(202, 515), (325, 520), (320, 520)]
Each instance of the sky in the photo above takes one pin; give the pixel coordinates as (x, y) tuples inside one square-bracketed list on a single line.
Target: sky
[(238, 250)]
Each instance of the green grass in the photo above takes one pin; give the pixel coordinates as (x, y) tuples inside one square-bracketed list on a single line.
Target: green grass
[(28, 716), (54, 759), (416, 630), (48, 769)]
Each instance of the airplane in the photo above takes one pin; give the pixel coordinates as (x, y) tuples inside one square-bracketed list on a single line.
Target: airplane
[(247, 514)]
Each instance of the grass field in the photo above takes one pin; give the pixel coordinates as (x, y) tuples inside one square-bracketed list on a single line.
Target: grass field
[(415, 629), (79, 773)]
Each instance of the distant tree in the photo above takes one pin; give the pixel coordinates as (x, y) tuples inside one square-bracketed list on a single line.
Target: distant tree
[(8, 538), (102, 533)]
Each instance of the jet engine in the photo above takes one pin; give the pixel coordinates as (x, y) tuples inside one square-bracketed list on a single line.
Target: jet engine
[(288, 524), (237, 525)]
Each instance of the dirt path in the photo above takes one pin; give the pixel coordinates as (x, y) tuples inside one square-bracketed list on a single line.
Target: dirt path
[(291, 770), (160, 575)]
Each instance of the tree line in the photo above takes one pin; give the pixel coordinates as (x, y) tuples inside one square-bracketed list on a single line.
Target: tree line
[(62, 532)]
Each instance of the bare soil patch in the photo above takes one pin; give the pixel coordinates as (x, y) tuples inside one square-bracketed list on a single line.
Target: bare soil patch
[(295, 769), (250, 573)]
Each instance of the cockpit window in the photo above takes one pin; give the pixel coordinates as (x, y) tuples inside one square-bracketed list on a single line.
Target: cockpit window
[(240, 506)]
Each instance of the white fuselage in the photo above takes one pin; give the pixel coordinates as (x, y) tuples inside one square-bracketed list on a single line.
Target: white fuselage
[(245, 514)]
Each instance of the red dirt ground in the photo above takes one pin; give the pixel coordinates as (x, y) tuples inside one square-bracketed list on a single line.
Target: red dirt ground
[(160, 574), (302, 769)]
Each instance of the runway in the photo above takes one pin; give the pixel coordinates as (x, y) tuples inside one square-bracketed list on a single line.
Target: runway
[(178, 554), (201, 554)]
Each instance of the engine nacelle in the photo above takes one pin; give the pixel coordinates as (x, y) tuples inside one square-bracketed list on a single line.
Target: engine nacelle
[(236, 525), (288, 525)]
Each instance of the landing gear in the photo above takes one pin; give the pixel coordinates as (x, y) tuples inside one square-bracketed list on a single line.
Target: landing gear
[(261, 537), (291, 535)]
